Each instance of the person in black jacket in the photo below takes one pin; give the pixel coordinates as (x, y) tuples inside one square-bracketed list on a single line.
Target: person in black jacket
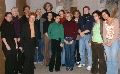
[(9, 43), (29, 42)]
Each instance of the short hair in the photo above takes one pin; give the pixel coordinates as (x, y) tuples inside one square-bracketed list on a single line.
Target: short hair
[(97, 12), (44, 6), (12, 10), (37, 10), (56, 15), (86, 7), (32, 13), (70, 14), (26, 7)]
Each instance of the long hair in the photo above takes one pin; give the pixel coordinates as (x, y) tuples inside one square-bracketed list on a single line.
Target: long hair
[(78, 13), (4, 20)]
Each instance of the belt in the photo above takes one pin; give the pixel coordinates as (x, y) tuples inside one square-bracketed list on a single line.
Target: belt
[(97, 43)]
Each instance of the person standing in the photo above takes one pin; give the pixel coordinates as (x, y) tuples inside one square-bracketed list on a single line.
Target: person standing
[(9, 43), (47, 49), (70, 32), (111, 42), (56, 35), (39, 23), (85, 25), (29, 42), (96, 43)]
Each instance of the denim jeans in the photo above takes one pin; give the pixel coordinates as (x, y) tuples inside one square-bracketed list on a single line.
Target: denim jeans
[(38, 56), (63, 56), (112, 57), (83, 46), (69, 53)]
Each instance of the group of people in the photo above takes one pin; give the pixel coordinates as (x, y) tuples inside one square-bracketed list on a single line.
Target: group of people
[(61, 39)]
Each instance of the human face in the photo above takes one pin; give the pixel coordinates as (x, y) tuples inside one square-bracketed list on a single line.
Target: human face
[(48, 7), (27, 10), (96, 17), (31, 18), (15, 12), (8, 17), (68, 17), (49, 16), (57, 19), (76, 14), (105, 16), (86, 11), (61, 14), (39, 12)]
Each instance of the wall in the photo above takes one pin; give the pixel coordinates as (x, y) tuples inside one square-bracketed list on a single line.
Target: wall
[(10, 4), (35, 4), (93, 4)]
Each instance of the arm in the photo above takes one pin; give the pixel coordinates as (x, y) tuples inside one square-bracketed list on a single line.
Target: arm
[(62, 34), (16, 43), (104, 33), (75, 31), (49, 30)]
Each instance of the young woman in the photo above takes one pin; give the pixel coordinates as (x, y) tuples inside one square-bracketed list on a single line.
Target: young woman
[(111, 43), (29, 42), (56, 34), (76, 17), (9, 43), (47, 50), (38, 58), (70, 32), (96, 43)]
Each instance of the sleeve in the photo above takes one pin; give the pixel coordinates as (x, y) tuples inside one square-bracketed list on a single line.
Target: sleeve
[(44, 28), (22, 36), (3, 30), (36, 35), (79, 23), (116, 30), (90, 25), (49, 30), (104, 33), (62, 34), (75, 31)]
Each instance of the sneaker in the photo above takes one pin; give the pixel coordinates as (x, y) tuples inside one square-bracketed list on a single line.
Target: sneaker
[(81, 65), (35, 62), (77, 63), (89, 68)]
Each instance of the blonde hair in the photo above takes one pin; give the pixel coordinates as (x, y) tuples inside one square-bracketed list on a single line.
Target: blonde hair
[(69, 14), (13, 10)]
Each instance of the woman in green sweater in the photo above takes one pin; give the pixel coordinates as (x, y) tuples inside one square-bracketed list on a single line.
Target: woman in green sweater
[(56, 35)]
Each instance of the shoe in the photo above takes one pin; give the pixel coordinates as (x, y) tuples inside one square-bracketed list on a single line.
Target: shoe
[(81, 65), (57, 70), (16, 72), (63, 64), (77, 63), (35, 62), (70, 69), (67, 69), (34, 67), (89, 68), (51, 70)]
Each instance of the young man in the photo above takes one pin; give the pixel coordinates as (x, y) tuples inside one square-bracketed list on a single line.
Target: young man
[(85, 25), (56, 34)]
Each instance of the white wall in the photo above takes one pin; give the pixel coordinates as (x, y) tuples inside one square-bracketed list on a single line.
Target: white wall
[(93, 4), (10, 4), (35, 4)]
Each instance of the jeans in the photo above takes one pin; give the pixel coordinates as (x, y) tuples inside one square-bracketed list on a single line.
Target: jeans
[(77, 54), (112, 57), (83, 46), (98, 53), (69, 53), (38, 56), (56, 55), (63, 56)]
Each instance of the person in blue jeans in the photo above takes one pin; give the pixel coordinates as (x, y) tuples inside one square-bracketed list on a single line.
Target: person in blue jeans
[(38, 56), (85, 24), (111, 42), (70, 33)]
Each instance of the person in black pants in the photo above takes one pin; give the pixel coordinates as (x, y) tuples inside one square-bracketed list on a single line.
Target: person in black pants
[(29, 42), (9, 43)]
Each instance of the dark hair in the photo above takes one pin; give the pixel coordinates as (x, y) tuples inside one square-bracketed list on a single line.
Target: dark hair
[(26, 7), (75, 12), (46, 4), (86, 7), (106, 11), (97, 12), (62, 11), (4, 20), (56, 15)]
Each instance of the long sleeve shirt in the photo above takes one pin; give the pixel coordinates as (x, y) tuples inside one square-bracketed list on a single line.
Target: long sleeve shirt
[(70, 29), (55, 30)]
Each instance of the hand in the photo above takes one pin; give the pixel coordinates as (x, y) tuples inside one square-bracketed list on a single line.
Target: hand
[(66, 42), (20, 48), (18, 39), (61, 45), (109, 44), (71, 42), (8, 47), (36, 47), (89, 44), (82, 34), (16, 46)]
